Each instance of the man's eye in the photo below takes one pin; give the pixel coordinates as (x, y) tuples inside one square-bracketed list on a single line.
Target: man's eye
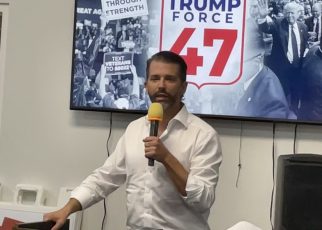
[(171, 79)]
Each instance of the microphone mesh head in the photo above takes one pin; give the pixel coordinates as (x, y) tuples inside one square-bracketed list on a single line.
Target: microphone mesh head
[(155, 112)]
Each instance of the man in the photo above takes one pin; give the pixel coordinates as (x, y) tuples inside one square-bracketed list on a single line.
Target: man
[(263, 95), (289, 45), (301, 17), (311, 103), (307, 11), (178, 191), (314, 23), (92, 96), (121, 36)]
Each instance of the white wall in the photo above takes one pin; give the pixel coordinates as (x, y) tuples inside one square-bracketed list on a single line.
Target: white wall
[(3, 24), (43, 142)]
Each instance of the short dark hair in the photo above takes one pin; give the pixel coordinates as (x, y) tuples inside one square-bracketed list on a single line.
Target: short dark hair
[(168, 57)]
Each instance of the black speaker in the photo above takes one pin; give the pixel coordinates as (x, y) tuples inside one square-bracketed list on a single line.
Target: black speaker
[(298, 195)]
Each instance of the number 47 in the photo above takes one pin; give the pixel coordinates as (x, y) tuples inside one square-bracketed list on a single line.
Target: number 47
[(192, 58)]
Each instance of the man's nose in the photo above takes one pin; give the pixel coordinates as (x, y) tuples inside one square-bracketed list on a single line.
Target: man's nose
[(161, 83)]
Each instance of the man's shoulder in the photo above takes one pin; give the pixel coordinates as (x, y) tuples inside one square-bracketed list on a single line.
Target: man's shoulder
[(302, 25), (138, 121), (269, 83), (196, 122), (281, 21), (312, 61)]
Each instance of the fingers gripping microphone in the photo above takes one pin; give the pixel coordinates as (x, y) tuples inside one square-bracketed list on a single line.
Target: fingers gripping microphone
[(155, 115)]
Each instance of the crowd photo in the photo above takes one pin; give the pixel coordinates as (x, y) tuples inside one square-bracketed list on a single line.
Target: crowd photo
[(110, 60), (288, 33)]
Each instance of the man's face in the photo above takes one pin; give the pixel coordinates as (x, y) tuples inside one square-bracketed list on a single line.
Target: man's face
[(164, 84), (316, 12), (301, 13), (291, 14)]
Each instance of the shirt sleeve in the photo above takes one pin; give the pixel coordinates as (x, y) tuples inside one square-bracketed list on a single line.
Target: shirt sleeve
[(267, 25), (204, 172), (263, 20), (103, 180)]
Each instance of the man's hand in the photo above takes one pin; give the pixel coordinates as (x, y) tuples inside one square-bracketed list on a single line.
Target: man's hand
[(154, 149), (60, 216), (263, 8)]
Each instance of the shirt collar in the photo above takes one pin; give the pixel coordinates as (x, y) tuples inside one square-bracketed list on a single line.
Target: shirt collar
[(249, 81), (294, 26), (182, 116)]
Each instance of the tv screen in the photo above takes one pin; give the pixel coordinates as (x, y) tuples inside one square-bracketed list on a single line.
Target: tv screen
[(245, 59)]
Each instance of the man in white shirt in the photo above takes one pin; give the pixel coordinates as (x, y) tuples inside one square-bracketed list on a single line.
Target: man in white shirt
[(179, 190)]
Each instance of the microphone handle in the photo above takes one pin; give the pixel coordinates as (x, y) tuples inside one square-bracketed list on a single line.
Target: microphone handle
[(154, 126)]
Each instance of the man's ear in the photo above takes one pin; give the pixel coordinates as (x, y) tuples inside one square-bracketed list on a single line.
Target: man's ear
[(185, 86)]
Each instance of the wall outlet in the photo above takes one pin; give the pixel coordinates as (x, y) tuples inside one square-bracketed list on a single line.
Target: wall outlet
[(28, 194)]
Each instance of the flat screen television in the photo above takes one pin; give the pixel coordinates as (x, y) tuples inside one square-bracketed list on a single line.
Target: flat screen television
[(241, 64)]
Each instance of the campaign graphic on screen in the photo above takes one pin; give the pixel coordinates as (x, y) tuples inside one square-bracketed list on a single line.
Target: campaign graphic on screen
[(258, 60)]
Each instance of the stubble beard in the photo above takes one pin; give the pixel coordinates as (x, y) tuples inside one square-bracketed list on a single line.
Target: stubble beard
[(165, 104)]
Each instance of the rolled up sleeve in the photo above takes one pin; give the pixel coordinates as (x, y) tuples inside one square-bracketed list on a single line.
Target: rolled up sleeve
[(204, 172)]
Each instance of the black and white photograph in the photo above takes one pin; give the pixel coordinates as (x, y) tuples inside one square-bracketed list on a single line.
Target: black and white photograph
[(110, 56), (260, 59)]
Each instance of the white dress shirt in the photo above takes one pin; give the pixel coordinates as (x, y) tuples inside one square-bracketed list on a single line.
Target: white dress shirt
[(317, 22), (153, 201), (298, 41)]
